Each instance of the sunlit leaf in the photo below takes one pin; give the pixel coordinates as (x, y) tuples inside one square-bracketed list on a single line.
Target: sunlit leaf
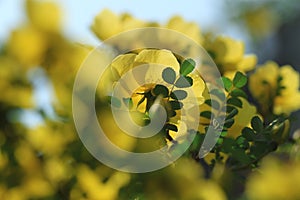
[(187, 66), (227, 83), (239, 80)]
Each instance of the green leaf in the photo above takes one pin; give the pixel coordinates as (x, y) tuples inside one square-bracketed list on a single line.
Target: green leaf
[(228, 123), (235, 102), (184, 82), (224, 133), (207, 114), (227, 83), (187, 66), (171, 127), (229, 108), (176, 105), (258, 149), (238, 93), (220, 140), (239, 80), (213, 103), (178, 94), (169, 75), (160, 90), (257, 124), (227, 145), (241, 156), (240, 140), (197, 142), (231, 114), (171, 113), (128, 102), (248, 133)]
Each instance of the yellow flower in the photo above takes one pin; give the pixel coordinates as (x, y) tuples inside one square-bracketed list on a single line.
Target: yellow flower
[(37, 187), (114, 133), (27, 45), (48, 139), (90, 182), (289, 98), (287, 104), (277, 180), (15, 193), (107, 24), (62, 171), (155, 61), (46, 16), (267, 80), (190, 29), (27, 158), (18, 95), (266, 73), (190, 175), (227, 50), (229, 55)]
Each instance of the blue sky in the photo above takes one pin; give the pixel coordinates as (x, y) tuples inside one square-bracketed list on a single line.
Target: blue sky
[(78, 16)]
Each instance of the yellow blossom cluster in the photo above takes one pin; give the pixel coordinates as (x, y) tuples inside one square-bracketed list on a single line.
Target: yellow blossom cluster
[(48, 160), (275, 180), (229, 56), (276, 88), (108, 24)]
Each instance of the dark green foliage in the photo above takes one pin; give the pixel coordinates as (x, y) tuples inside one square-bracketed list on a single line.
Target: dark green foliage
[(238, 93), (235, 102), (178, 94), (176, 105), (207, 114), (160, 90)]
